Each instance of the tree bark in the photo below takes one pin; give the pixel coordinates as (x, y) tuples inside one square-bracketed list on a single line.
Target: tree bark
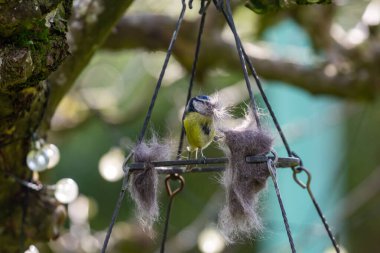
[(33, 45)]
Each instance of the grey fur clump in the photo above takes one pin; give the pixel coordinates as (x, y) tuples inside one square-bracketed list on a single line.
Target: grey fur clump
[(239, 218), (144, 185)]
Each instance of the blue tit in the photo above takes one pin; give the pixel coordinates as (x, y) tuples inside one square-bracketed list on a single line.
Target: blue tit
[(199, 124)]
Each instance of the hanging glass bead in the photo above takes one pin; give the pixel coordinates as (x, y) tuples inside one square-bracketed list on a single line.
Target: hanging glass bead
[(37, 160), (66, 190), (52, 152)]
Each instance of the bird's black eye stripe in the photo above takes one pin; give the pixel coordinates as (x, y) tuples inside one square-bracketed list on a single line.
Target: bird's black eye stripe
[(198, 100), (190, 106), (203, 101)]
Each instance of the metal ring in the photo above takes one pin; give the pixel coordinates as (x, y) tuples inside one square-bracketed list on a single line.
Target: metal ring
[(275, 155), (299, 170), (173, 177), (271, 167)]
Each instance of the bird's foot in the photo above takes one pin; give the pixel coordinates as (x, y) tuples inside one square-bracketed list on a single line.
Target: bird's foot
[(203, 157), (189, 168)]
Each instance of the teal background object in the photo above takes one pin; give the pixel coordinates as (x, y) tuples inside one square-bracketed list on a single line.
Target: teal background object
[(317, 136)]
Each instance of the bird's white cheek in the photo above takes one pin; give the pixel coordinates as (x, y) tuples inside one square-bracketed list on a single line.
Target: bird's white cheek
[(199, 107)]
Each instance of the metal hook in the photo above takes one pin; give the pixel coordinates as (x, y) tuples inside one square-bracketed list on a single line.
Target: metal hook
[(125, 163), (275, 156), (204, 5), (174, 177), (316, 205), (299, 170), (272, 168), (294, 169)]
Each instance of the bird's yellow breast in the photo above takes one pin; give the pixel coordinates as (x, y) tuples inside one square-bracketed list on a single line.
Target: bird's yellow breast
[(199, 130)]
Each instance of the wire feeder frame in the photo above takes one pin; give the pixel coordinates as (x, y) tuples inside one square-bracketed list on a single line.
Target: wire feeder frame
[(203, 165)]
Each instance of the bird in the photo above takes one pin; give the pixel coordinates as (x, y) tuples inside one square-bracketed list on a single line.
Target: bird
[(199, 123)]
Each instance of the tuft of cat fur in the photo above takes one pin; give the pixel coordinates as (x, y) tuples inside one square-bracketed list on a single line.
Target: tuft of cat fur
[(239, 217), (216, 109), (143, 185)]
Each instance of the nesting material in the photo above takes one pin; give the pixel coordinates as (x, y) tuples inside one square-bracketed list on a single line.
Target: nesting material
[(144, 184), (239, 218), (219, 113), (216, 109)]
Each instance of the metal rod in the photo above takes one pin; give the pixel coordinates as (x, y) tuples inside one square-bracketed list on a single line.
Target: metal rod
[(28, 184), (162, 73), (283, 162), (192, 77), (119, 202), (230, 21), (116, 212), (272, 172)]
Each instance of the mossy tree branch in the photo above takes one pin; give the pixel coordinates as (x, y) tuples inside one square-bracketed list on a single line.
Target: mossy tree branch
[(89, 27), (152, 32)]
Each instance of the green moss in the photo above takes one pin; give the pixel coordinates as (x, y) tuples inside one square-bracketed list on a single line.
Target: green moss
[(27, 37), (47, 46)]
